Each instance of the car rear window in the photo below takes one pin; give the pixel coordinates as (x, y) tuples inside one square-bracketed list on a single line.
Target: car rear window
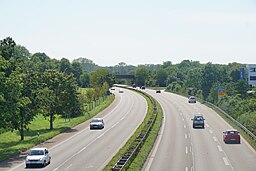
[(232, 132)]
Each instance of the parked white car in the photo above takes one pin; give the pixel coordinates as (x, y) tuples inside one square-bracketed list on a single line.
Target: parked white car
[(38, 156)]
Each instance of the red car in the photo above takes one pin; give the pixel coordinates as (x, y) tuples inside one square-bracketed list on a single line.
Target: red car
[(231, 135)]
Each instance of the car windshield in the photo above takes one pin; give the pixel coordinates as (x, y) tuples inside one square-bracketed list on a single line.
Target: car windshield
[(36, 152), (199, 118), (97, 120), (232, 132)]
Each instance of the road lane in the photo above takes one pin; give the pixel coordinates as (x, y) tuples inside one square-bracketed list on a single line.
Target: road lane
[(208, 151), (93, 149)]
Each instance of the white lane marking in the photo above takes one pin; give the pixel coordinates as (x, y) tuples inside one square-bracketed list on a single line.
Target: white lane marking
[(219, 148), (185, 126), (215, 139), (210, 131), (183, 119), (190, 149), (207, 125), (59, 144), (186, 150), (186, 169), (151, 157), (186, 136), (68, 167), (226, 161), (62, 164)]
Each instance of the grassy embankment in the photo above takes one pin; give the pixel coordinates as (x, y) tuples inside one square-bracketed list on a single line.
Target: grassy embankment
[(10, 144), (141, 157)]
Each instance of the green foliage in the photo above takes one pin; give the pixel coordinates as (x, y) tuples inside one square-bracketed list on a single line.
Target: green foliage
[(7, 48), (98, 77), (249, 119), (161, 76), (141, 75)]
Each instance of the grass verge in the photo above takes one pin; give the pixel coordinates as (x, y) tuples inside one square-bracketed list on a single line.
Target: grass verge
[(141, 157), (10, 144), (242, 132)]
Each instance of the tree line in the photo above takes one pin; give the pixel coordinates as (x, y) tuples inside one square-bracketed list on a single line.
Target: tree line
[(203, 80), (32, 84)]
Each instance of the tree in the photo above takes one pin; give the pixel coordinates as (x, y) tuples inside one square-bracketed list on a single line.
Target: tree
[(7, 47), (65, 66), (141, 75), (210, 76), (85, 79), (77, 71), (98, 77), (161, 77), (58, 95), (19, 106)]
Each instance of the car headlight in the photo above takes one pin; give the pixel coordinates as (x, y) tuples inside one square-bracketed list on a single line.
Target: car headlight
[(27, 159), (40, 159)]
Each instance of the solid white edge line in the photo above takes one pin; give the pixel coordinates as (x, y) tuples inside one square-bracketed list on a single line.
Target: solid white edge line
[(151, 157)]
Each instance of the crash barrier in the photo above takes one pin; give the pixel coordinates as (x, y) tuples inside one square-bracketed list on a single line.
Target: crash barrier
[(127, 157), (233, 120)]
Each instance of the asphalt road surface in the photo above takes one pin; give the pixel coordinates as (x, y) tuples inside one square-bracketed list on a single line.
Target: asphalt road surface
[(180, 147), (84, 149)]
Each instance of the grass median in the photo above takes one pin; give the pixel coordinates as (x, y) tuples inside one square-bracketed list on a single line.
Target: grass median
[(141, 157), (10, 144)]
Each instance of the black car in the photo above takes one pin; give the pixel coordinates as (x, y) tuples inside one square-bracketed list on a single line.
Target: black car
[(198, 121)]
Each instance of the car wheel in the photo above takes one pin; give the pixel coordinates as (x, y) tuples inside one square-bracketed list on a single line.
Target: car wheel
[(238, 142), (44, 164), (49, 161), (27, 166)]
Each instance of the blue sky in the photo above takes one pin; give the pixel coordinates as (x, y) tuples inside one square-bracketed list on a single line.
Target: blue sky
[(134, 31)]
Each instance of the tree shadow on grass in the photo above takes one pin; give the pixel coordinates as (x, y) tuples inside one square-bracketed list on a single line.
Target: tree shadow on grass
[(14, 151)]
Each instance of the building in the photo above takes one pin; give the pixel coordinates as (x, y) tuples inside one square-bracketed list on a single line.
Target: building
[(251, 74)]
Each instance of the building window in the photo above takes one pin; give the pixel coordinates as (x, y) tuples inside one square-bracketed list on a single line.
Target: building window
[(252, 69), (252, 78)]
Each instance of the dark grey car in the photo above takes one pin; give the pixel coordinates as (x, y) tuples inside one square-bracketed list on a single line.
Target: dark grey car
[(198, 121)]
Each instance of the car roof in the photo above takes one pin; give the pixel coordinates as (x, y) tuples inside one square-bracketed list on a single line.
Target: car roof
[(97, 119), (198, 115), (229, 130), (39, 148)]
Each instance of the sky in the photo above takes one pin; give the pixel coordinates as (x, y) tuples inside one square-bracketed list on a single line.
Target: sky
[(134, 31)]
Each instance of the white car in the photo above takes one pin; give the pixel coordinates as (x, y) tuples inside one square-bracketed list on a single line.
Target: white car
[(38, 156), (121, 90), (192, 99), (97, 123)]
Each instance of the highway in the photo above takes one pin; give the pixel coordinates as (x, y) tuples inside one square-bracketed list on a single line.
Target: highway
[(180, 147), (85, 149)]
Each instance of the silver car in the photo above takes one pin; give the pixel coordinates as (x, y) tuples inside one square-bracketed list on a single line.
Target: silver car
[(97, 123), (192, 99), (38, 156)]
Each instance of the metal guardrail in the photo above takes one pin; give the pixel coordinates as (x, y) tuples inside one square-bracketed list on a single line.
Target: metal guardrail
[(233, 120), (126, 158), (228, 116)]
